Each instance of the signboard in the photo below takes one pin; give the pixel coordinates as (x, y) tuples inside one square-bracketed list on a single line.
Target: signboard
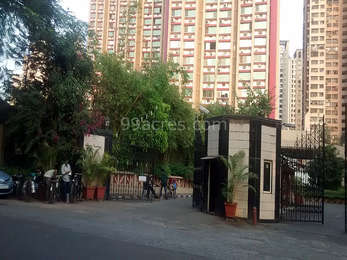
[(142, 178), (97, 142)]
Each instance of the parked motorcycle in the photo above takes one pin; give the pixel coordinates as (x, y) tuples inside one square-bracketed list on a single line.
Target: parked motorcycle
[(30, 187), (18, 180)]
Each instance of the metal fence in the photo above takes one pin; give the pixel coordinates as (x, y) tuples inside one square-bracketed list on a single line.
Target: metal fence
[(125, 183), (302, 178)]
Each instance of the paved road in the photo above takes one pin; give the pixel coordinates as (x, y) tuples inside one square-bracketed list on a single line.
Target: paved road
[(158, 230)]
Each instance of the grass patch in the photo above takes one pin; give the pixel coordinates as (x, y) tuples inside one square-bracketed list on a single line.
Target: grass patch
[(335, 194)]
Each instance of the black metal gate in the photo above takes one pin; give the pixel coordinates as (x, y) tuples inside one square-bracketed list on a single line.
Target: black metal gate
[(198, 187), (302, 179)]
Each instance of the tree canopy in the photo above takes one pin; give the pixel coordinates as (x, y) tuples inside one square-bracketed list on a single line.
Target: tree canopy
[(334, 167), (145, 109), (51, 97), (24, 23), (257, 103)]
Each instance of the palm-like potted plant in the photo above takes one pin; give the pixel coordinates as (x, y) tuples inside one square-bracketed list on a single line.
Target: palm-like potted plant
[(95, 172), (89, 165), (103, 172), (238, 176)]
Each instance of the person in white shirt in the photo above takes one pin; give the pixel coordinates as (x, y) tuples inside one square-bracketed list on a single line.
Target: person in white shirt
[(66, 172)]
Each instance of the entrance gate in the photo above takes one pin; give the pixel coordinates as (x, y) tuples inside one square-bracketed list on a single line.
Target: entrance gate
[(302, 179)]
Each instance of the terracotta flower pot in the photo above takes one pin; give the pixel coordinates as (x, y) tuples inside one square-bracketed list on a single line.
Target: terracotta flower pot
[(230, 209), (100, 193), (89, 192)]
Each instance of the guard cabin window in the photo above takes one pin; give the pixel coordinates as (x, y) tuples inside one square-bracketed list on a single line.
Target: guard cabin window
[(267, 187)]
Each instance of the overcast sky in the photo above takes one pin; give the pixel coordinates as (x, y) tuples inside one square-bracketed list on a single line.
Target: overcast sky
[(291, 18)]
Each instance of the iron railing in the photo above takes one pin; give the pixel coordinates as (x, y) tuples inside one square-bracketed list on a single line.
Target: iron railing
[(302, 178)]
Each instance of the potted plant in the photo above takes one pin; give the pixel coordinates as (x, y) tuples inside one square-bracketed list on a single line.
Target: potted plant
[(89, 167), (238, 175), (103, 172)]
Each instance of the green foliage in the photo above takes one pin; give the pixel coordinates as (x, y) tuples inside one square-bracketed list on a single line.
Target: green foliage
[(179, 169), (335, 194), (51, 104), (219, 110), (23, 23), (238, 175), (162, 169), (334, 168), (145, 109), (95, 170), (256, 103)]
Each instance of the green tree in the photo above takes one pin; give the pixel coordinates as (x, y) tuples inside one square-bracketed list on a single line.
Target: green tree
[(51, 102), (25, 22), (334, 168), (257, 103), (219, 110), (145, 109)]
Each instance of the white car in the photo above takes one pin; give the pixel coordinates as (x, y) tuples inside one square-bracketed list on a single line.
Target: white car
[(6, 183)]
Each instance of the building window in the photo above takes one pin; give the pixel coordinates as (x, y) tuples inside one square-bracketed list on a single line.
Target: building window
[(259, 58), (260, 41), (208, 93), (224, 45), (259, 75), (246, 27), (176, 12), (225, 14), (189, 29), (260, 8), (244, 76), (174, 44), (189, 45), (210, 46), (176, 28), (267, 187), (211, 30), (210, 15), (260, 25), (157, 10), (246, 10), (245, 43), (190, 13)]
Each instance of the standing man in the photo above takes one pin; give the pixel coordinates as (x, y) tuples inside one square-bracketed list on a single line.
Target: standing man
[(163, 180), (66, 172)]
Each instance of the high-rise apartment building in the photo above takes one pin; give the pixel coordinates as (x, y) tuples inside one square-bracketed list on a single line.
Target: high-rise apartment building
[(297, 83), (322, 68), (285, 82), (226, 46), (343, 59)]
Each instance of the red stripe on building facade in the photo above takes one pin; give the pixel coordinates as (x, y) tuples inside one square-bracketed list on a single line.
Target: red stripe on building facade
[(273, 60)]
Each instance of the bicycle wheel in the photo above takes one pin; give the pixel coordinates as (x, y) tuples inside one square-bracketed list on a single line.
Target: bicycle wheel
[(50, 193)]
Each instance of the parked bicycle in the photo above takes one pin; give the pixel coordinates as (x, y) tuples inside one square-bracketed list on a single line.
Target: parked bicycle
[(53, 189)]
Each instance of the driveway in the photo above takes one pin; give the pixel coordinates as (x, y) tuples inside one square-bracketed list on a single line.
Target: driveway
[(162, 229)]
